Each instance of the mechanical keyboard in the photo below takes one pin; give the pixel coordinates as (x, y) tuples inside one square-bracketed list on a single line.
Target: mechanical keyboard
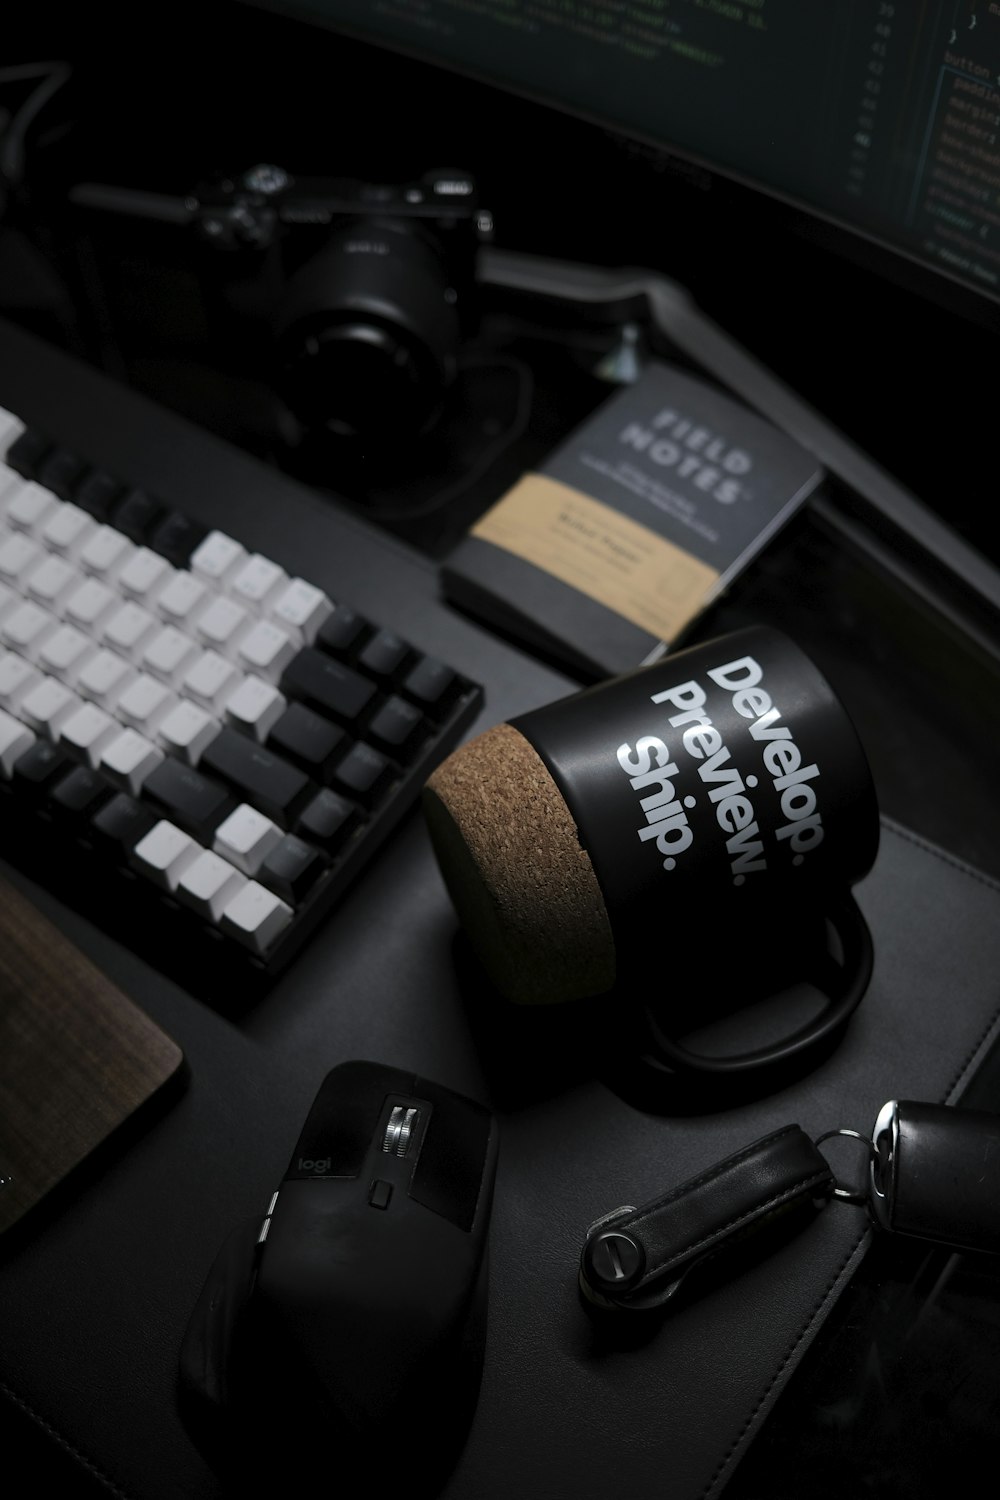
[(222, 745)]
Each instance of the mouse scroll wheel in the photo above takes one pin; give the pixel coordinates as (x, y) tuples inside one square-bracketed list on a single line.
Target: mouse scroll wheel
[(399, 1131)]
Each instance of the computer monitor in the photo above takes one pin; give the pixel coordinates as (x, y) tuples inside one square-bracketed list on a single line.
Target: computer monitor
[(878, 118)]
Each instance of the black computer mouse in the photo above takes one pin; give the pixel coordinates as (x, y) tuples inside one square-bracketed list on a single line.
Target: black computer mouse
[(353, 1311)]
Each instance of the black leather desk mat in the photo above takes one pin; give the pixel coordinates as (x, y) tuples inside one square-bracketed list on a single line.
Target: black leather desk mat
[(93, 1301)]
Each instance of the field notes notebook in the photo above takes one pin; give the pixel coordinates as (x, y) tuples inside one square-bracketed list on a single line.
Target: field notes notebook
[(77, 1057), (633, 525)]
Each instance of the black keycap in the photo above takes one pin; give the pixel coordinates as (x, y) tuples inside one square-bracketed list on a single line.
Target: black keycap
[(41, 764), (291, 869), (431, 684), (342, 631), (328, 819), (137, 514), (60, 471), (187, 797), (308, 739), (363, 773), (77, 796), (327, 685), (176, 536), (397, 727), (119, 826), (27, 451), (98, 493), (384, 654), (266, 780)]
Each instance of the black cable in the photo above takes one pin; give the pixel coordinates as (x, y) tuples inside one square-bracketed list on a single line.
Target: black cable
[(13, 148)]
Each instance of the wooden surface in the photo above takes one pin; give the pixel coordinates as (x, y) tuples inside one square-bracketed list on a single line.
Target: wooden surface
[(77, 1057)]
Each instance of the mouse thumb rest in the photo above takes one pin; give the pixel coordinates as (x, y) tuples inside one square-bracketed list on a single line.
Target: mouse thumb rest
[(359, 1299)]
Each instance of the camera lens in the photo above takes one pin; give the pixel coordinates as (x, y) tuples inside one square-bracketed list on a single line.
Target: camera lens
[(368, 333)]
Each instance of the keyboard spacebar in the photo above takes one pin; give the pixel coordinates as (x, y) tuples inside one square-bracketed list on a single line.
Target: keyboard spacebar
[(327, 684)]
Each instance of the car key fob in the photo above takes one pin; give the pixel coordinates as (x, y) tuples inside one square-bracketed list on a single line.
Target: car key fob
[(935, 1174)]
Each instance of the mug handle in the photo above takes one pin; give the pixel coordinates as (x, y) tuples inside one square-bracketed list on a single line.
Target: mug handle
[(855, 972)]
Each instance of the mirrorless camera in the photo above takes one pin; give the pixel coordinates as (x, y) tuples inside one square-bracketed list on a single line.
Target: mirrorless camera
[(365, 291)]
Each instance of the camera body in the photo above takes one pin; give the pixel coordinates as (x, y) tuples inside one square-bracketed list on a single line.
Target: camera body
[(368, 289), (349, 299)]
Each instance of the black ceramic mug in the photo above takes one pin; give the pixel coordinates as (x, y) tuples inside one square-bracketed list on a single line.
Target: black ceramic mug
[(720, 797)]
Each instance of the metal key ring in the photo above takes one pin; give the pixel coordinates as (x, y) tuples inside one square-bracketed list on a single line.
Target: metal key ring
[(850, 1195)]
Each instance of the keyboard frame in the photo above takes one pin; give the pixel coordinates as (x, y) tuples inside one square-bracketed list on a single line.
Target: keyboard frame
[(227, 489)]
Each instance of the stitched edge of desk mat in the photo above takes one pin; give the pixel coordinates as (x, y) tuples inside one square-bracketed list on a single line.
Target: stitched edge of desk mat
[(851, 1263), (679, 1409)]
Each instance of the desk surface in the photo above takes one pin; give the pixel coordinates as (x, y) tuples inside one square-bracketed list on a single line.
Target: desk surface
[(96, 1292)]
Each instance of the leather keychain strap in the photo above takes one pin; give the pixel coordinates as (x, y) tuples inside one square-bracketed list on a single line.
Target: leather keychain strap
[(637, 1257)]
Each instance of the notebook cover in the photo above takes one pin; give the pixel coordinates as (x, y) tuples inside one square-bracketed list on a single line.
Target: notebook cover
[(633, 525)]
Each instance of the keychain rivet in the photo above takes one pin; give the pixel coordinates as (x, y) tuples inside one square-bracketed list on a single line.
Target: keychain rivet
[(613, 1260)]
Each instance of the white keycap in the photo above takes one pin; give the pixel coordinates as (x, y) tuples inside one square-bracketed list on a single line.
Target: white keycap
[(10, 484), (223, 624), (67, 528), (266, 650), (19, 556), (217, 558), (15, 738), (105, 552), (302, 608), (11, 428), (104, 678), (66, 652), (209, 884), (187, 730), (8, 598), (129, 758), (164, 853), (52, 583), (257, 582), (246, 838), (90, 606), (17, 677), (27, 507), (181, 599), (144, 703), (143, 575), (210, 680), (256, 706), (128, 630), (255, 917), (88, 731), (26, 628), (47, 707), (169, 654)]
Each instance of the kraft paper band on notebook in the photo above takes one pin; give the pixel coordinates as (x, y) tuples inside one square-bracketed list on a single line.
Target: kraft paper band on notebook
[(602, 553), (77, 1056)]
